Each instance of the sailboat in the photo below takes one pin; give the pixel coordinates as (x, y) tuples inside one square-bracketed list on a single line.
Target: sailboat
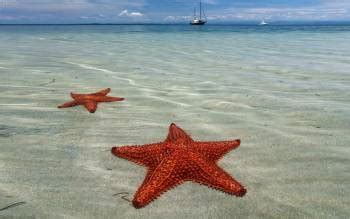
[(263, 23), (196, 20)]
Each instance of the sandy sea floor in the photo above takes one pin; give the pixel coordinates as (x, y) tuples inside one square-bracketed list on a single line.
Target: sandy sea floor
[(284, 91)]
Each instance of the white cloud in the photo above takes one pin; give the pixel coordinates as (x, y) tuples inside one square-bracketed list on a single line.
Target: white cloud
[(180, 11), (135, 14), (211, 2), (125, 13), (69, 5), (68, 11), (326, 10), (9, 18), (336, 3), (45, 6), (323, 10), (174, 19)]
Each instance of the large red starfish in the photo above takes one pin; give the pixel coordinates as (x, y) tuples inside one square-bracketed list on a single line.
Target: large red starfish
[(90, 101), (178, 159)]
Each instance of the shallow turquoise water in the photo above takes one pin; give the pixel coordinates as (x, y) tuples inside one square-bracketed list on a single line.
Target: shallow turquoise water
[(283, 90)]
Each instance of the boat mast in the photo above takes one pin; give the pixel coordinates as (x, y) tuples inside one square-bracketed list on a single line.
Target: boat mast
[(200, 10), (194, 13)]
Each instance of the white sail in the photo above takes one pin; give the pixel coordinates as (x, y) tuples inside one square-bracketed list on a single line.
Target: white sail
[(262, 23)]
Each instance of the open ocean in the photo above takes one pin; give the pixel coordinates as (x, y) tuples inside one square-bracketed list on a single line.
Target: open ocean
[(283, 90)]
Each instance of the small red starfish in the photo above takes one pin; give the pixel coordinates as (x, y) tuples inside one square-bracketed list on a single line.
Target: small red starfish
[(178, 159), (90, 101)]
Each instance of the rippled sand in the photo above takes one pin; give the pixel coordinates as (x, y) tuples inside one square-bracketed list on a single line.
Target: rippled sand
[(283, 91)]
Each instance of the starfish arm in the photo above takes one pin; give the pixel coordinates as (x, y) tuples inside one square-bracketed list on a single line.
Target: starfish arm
[(176, 134), (158, 181), (76, 96), (112, 99), (91, 106), (103, 92), (99, 93), (209, 174), (149, 155), (69, 104), (216, 149)]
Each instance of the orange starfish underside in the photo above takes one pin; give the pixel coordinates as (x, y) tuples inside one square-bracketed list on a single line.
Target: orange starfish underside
[(90, 101), (178, 159)]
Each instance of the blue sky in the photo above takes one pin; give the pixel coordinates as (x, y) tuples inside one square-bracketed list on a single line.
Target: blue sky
[(169, 11)]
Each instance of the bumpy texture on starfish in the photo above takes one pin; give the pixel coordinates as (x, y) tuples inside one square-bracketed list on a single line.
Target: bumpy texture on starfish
[(90, 101), (178, 159)]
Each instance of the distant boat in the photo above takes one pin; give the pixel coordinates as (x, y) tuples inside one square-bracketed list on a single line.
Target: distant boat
[(196, 20), (263, 23)]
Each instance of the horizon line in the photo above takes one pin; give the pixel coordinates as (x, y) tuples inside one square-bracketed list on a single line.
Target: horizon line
[(251, 22)]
